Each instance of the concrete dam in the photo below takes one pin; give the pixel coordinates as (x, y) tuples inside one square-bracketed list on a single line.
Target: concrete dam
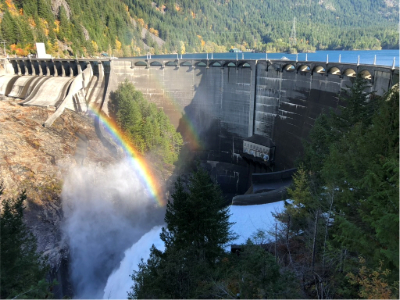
[(220, 104)]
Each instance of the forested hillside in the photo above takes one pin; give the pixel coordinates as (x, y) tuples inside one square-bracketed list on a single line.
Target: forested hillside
[(130, 27)]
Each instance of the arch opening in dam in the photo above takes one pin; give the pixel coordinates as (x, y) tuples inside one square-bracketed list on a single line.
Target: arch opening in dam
[(289, 68), (304, 68), (141, 64), (334, 71), (186, 64), (366, 75), (350, 73), (319, 70), (171, 64), (156, 64)]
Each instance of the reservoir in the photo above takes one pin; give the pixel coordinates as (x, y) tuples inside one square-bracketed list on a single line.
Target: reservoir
[(383, 57)]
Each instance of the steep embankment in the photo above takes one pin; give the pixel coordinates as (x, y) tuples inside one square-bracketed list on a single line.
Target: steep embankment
[(130, 28), (74, 28), (36, 158), (69, 156)]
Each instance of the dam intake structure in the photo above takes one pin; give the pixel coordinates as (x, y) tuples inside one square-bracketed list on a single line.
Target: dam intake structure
[(218, 103)]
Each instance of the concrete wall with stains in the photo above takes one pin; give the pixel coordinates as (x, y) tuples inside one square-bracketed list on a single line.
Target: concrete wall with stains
[(226, 101)]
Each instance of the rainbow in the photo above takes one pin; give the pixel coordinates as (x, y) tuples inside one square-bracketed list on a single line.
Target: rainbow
[(137, 161), (188, 132)]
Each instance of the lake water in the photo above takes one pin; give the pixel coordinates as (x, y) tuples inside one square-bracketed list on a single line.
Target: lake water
[(383, 57)]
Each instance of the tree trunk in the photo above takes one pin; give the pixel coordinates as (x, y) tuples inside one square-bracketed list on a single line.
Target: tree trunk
[(315, 239), (276, 238), (326, 228)]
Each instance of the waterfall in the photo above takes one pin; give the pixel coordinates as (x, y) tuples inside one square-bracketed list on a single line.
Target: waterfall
[(107, 210)]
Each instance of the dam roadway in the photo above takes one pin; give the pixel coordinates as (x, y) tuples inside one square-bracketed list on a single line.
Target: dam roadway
[(225, 101)]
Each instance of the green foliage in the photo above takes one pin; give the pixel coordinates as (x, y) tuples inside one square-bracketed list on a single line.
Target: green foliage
[(373, 282), (360, 107), (369, 198), (196, 218), (197, 229), (65, 26), (147, 127), (23, 270), (205, 26), (8, 28), (316, 148), (266, 25), (44, 10), (254, 273), (348, 198), (194, 264)]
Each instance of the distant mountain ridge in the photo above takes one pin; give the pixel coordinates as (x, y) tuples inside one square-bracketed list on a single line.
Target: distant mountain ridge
[(135, 27)]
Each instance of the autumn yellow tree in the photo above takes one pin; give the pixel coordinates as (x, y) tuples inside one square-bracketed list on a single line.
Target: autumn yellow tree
[(373, 282)]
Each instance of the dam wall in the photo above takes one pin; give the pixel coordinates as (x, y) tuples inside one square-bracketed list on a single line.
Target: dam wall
[(222, 102), (211, 105), (215, 104), (291, 95)]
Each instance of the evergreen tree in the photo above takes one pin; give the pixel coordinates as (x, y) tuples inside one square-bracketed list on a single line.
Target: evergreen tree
[(220, 25), (23, 270), (254, 273), (196, 218), (147, 127), (359, 106), (8, 28), (197, 228), (346, 204), (368, 205), (44, 10)]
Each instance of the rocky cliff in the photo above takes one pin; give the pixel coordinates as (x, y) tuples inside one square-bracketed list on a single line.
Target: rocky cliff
[(35, 158)]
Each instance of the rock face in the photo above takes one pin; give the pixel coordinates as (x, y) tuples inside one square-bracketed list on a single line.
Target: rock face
[(35, 158), (31, 153), (55, 7)]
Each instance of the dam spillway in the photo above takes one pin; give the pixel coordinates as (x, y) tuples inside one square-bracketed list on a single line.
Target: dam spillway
[(219, 102)]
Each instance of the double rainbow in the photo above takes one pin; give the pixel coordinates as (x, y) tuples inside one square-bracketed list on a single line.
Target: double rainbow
[(189, 133), (136, 160)]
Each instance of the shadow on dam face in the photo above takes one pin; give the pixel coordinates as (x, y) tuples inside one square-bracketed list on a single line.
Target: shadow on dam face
[(216, 121), (210, 107), (217, 104)]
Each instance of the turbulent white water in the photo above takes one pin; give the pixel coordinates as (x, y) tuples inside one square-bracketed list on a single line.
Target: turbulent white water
[(107, 210), (247, 219), (120, 282)]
